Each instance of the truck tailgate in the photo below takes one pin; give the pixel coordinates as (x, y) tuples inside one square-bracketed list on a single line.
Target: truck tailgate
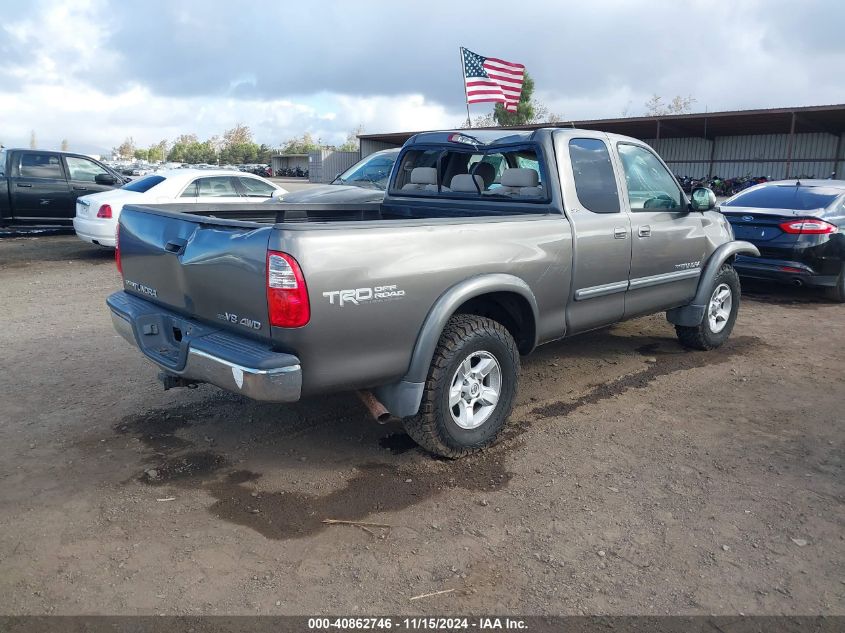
[(210, 270)]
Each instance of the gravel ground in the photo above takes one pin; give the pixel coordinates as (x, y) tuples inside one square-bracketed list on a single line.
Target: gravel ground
[(635, 478)]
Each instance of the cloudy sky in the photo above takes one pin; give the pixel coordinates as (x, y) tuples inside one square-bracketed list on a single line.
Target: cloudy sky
[(94, 71)]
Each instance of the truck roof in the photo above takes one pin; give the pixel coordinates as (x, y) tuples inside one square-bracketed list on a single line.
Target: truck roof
[(502, 136)]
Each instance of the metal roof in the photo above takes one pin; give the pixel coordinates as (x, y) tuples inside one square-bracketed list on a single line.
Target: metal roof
[(827, 118)]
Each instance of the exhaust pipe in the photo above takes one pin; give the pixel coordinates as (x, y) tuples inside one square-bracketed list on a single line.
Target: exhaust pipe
[(374, 406)]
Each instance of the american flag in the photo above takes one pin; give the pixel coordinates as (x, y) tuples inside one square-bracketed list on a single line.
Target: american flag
[(489, 79)]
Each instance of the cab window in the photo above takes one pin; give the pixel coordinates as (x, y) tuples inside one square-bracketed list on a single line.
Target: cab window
[(650, 185), (592, 170), (35, 165), (512, 173)]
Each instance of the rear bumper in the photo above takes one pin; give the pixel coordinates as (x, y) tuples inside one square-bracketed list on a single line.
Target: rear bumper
[(95, 231), (205, 355), (782, 270)]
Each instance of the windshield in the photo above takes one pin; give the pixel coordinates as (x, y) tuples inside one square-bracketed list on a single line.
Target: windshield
[(785, 197), (144, 184), (372, 171)]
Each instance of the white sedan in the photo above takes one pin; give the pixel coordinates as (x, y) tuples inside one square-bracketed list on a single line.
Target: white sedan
[(97, 214)]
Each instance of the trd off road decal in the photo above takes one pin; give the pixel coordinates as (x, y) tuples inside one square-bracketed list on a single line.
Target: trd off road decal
[(357, 296)]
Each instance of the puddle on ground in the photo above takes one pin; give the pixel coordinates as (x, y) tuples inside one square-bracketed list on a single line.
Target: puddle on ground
[(669, 363), (181, 467), (375, 488)]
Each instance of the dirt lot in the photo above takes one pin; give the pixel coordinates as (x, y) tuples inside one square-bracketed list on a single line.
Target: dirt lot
[(636, 477)]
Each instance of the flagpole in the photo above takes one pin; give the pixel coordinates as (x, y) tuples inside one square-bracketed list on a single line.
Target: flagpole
[(464, 73)]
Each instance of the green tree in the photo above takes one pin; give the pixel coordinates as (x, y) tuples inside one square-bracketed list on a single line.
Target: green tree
[(264, 153), (157, 152), (141, 154), (528, 110), (301, 144), (65, 145), (352, 144)]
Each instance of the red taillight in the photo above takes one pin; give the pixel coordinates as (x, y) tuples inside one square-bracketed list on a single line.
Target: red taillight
[(117, 249), (808, 226), (104, 212), (287, 295)]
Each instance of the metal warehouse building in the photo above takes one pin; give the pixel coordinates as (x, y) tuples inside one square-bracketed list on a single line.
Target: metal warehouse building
[(776, 143)]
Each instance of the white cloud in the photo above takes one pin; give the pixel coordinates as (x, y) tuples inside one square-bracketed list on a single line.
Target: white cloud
[(95, 72)]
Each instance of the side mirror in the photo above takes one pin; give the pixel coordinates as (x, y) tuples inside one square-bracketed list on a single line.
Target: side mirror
[(702, 199), (105, 179)]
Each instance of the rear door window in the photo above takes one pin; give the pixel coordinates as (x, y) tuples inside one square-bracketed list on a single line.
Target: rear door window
[(217, 187), (595, 182), (38, 165)]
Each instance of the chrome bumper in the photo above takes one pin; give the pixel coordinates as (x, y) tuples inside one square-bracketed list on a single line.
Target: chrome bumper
[(273, 384)]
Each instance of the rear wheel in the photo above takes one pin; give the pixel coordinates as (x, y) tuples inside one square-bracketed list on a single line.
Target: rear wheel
[(720, 315), (470, 388), (837, 293)]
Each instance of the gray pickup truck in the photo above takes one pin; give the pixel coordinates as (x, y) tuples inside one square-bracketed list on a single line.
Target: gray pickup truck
[(486, 245)]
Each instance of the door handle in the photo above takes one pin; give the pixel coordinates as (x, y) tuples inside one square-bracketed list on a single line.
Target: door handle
[(24, 184), (175, 246), (620, 233), (80, 188), (644, 231)]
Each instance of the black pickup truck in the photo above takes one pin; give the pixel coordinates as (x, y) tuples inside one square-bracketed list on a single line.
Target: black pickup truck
[(40, 188)]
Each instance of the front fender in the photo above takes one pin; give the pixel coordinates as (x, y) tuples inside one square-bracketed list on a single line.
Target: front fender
[(693, 314), (402, 399)]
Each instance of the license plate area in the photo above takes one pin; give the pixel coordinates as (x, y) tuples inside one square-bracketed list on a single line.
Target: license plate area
[(164, 339)]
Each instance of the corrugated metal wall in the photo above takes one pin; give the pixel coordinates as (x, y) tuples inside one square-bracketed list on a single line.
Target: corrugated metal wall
[(753, 155), (324, 165), (280, 162), (369, 146)]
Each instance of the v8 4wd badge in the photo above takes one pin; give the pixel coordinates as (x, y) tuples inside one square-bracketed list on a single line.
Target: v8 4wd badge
[(233, 318)]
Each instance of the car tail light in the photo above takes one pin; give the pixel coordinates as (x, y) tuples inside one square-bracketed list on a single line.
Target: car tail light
[(809, 226), (104, 212), (117, 249), (287, 295)]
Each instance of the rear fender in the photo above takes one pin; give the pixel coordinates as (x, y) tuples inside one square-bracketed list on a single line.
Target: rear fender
[(693, 314), (403, 399)]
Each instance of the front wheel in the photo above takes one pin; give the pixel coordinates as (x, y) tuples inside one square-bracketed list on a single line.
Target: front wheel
[(720, 315), (470, 388)]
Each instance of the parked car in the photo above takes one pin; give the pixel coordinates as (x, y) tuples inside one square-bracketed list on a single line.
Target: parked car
[(97, 214), (799, 227), (40, 187), (365, 181), (425, 301)]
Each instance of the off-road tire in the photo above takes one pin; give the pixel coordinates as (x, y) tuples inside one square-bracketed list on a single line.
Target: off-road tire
[(702, 336), (837, 292), (433, 427)]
